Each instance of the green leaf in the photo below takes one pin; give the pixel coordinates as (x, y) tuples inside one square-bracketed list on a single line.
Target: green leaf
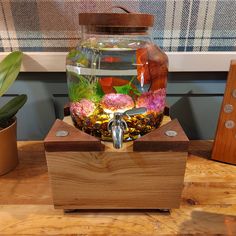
[(136, 92), (9, 70), (10, 109), (124, 89), (99, 90), (79, 57), (3, 74), (83, 61), (127, 89), (96, 92), (72, 54)]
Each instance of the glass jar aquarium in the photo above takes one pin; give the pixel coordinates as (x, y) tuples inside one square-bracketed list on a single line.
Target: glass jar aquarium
[(117, 77)]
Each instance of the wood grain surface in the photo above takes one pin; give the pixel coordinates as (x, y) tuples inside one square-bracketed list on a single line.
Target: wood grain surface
[(165, 120), (115, 180), (131, 19), (127, 146), (158, 141), (44, 220), (224, 148), (208, 202), (122, 179), (76, 140)]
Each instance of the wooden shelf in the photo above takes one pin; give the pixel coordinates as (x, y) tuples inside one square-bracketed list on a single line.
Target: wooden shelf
[(178, 61)]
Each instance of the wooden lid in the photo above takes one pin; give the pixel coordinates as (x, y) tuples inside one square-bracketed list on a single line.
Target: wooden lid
[(116, 19)]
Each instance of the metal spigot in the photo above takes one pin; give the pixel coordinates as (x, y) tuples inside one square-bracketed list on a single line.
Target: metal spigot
[(117, 125)]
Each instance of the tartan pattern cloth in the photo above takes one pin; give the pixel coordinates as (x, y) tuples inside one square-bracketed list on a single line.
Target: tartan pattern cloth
[(180, 25)]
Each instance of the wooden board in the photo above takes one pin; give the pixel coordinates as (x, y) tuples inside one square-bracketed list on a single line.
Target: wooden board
[(76, 140), (127, 146), (158, 141), (206, 209), (166, 119), (224, 148), (178, 61), (115, 180)]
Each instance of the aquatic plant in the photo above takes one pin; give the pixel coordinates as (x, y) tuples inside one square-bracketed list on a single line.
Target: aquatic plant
[(78, 57), (128, 89), (85, 89)]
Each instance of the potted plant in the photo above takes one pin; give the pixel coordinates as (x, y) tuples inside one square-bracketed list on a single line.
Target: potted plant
[(9, 70)]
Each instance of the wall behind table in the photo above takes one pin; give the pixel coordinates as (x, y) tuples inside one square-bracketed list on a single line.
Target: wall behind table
[(195, 99)]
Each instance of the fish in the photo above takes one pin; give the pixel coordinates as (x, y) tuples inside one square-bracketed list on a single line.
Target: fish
[(107, 83), (111, 59)]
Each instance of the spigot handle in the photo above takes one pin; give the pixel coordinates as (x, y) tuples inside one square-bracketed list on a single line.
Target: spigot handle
[(117, 125), (135, 111), (117, 121)]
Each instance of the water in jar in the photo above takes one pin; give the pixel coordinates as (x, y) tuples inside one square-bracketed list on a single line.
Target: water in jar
[(106, 77)]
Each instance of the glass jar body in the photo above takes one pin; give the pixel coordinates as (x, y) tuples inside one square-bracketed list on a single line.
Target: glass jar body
[(116, 73)]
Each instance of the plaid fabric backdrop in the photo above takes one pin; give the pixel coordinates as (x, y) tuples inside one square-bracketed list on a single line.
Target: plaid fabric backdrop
[(180, 25)]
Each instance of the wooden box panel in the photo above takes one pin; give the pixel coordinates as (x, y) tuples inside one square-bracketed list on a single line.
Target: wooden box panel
[(224, 147), (116, 180)]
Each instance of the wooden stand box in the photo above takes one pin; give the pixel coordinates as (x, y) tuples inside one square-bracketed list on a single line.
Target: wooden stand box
[(86, 173)]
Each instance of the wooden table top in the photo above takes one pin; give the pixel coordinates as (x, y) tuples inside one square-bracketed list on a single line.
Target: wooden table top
[(208, 202)]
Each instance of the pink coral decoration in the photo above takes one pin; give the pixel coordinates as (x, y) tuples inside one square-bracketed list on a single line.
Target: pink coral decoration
[(115, 102), (82, 108), (154, 101)]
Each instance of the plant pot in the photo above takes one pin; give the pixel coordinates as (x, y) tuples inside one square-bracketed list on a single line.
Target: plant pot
[(8, 148)]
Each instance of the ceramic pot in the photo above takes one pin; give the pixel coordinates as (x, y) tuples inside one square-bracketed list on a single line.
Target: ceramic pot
[(8, 149)]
